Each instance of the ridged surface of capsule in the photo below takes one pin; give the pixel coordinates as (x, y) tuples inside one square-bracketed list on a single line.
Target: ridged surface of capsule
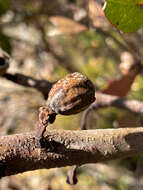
[(71, 95)]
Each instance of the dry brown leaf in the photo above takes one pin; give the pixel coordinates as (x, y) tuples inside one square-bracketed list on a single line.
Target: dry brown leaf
[(120, 87), (67, 26)]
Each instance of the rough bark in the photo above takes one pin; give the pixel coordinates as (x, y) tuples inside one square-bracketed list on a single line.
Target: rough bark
[(65, 148)]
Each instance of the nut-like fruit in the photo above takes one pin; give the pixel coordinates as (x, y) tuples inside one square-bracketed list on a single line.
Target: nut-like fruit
[(71, 95)]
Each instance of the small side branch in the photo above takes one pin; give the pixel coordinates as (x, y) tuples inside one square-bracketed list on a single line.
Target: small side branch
[(42, 86), (19, 154), (105, 100)]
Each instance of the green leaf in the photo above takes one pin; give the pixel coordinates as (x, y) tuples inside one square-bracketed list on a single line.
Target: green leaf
[(5, 42), (125, 15), (4, 6)]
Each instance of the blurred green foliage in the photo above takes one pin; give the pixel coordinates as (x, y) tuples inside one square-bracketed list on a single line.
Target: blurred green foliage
[(5, 42), (4, 6), (130, 16)]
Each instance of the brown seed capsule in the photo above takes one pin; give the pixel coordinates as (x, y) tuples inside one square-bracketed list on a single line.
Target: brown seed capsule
[(71, 95)]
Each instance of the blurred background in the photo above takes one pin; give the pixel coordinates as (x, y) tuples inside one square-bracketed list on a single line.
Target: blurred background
[(47, 40)]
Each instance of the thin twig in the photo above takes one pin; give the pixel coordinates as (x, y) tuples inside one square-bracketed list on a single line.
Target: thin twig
[(105, 100), (41, 85), (72, 175)]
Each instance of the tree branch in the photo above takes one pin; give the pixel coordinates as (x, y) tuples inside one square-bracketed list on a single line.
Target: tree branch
[(19, 154), (42, 86), (105, 100)]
